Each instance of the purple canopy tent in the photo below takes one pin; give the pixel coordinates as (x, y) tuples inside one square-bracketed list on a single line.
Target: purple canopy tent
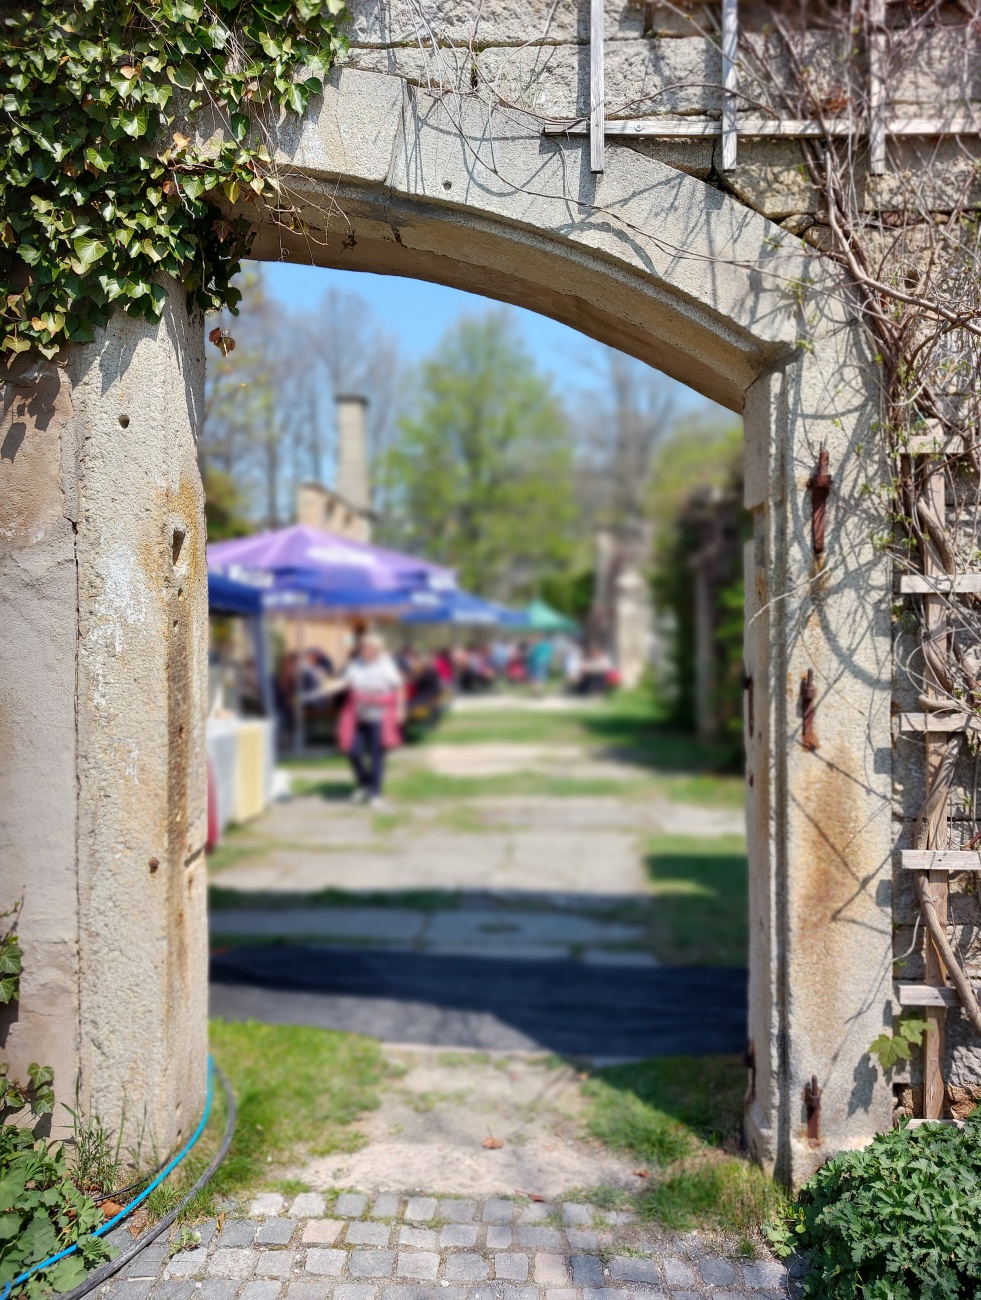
[(300, 569), (320, 569)]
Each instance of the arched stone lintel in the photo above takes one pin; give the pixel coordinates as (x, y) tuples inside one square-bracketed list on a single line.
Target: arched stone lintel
[(643, 257)]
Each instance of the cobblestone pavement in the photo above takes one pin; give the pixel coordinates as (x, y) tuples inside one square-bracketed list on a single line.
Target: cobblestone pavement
[(424, 1248)]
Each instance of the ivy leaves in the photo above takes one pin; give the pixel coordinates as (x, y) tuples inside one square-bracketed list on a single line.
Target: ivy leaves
[(42, 1212), (107, 181), (11, 959)]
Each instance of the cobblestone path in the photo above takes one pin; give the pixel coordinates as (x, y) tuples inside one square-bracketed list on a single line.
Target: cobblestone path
[(424, 1248)]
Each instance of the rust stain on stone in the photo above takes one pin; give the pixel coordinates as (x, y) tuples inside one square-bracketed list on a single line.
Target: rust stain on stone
[(828, 876), (184, 560)]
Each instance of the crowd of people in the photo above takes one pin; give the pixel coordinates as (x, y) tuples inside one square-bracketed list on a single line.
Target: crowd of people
[(368, 705)]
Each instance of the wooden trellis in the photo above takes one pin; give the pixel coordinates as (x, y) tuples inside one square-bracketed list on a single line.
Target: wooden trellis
[(731, 125)]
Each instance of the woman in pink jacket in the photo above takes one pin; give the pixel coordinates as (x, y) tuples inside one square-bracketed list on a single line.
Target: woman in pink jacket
[(371, 716)]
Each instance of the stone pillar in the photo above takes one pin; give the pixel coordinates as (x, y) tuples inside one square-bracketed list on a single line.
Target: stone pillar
[(819, 822), (103, 636)]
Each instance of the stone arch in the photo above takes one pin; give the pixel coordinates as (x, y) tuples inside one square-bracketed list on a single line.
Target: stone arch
[(108, 639)]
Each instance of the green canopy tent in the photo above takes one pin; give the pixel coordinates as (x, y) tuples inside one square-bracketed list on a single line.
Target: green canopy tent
[(540, 617)]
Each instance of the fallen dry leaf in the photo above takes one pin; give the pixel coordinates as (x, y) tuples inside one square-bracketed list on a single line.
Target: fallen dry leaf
[(493, 1143), (532, 1196), (642, 1173), (110, 1208)]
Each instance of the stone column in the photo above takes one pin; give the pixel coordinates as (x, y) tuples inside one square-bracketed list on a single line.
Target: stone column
[(103, 634), (818, 819)]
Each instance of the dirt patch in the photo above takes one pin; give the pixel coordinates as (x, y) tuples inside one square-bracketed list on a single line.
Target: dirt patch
[(429, 1131)]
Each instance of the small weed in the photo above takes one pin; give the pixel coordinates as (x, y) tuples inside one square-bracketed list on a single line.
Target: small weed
[(291, 1186), (96, 1152), (186, 1239), (721, 1190)]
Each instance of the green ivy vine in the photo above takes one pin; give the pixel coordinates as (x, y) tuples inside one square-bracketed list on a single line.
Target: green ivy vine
[(133, 128)]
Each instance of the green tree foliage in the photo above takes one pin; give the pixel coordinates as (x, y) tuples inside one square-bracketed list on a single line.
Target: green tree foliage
[(104, 185), (482, 475), (696, 505)]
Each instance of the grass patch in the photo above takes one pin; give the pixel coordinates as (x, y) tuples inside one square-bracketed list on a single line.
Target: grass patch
[(681, 1118), (232, 850), (337, 789), (701, 886), (628, 724), (629, 719), (298, 1092), (422, 786)]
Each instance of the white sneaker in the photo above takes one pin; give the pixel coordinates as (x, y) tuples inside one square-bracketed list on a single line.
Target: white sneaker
[(360, 795), (379, 803)]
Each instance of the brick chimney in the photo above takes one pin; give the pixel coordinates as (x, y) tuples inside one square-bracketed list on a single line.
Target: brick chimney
[(353, 481)]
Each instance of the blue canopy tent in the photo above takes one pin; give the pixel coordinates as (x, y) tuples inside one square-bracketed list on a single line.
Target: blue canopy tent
[(226, 596), (239, 599), (460, 608)]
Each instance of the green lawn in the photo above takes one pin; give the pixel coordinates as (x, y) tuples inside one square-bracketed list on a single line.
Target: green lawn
[(680, 1118), (297, 1092), (701, 917), (627, 725), (415, 785)]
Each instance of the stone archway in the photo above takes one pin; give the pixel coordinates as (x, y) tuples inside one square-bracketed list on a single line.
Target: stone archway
[(104, 591)]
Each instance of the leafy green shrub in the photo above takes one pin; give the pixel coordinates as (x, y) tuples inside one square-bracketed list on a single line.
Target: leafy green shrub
[(41, 1213), (896, 1221)]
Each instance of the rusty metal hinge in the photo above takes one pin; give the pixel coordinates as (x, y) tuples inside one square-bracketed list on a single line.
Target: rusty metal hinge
[(808, 710), (820, 487), (812, 1104)]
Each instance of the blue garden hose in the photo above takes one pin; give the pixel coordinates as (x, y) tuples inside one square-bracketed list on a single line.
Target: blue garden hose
[(100, 1274)]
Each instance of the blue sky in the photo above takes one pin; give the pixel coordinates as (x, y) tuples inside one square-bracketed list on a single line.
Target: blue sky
[(418, 313)]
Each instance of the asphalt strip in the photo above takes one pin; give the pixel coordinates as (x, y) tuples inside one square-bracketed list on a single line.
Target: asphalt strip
[(569, 1007)]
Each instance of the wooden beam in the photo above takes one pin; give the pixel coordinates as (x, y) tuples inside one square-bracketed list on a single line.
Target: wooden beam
[(940, 859), (954, 1123), (940, 722), (936, 444), (946, 584), (935, 631), (937, 997), (877, 86), (691, 128), (597, 91), (730, 45)]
